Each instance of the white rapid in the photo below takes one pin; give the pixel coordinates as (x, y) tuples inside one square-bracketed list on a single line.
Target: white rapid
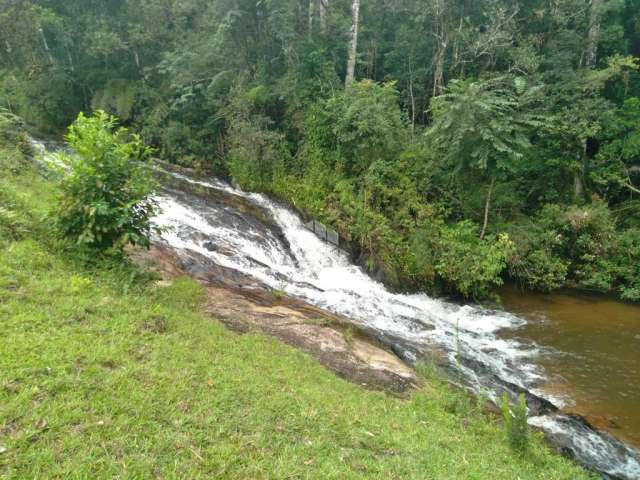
[(323, 275), (286, 256)]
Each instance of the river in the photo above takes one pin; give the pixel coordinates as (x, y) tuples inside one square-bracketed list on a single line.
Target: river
[(593, 363), (567, 354)]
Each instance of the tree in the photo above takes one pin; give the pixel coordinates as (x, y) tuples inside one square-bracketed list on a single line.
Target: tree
[(616, 170), (356, 127), (106, 198), (483, 125), (353, 43)]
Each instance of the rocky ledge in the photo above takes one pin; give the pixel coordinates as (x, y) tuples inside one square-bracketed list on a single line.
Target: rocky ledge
[(244, 305)]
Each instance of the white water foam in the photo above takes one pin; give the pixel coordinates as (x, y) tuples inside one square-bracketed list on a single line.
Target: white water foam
[(592, 447), (48, 158)]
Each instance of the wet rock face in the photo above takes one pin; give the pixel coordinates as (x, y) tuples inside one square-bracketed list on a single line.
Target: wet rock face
[(561, 433), (243, 304)]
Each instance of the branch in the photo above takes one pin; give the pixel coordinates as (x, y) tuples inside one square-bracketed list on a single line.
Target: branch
[(631, 187)]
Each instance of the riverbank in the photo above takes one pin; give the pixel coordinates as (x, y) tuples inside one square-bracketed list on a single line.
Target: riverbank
[(107, 372)]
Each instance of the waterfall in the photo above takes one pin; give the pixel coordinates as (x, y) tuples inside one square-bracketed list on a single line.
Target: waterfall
[(283, 254)]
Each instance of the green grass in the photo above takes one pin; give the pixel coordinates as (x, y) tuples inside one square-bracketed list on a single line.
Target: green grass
[(106, 374)]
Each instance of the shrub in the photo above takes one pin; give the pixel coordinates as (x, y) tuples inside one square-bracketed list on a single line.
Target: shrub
[(627, 258), (356, 127), (11, 127), (535, 262), (257, 153), (515, 422), (622, 266), (565, 244), (105, 200), (472, 264)]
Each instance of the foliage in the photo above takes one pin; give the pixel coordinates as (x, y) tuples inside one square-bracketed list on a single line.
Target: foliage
[(616, 164), (256, 154), (354, 129), (619, 270), (460, 258), (482, 112), (105, 197), (563, 246), (12, 226), (117, 97), (482, 124), (10, 127), (515, 422)]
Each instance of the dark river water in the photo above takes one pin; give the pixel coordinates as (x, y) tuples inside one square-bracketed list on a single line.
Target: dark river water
[(594, 360)]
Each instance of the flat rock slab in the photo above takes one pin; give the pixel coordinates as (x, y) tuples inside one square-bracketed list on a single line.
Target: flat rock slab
[(334, 341)]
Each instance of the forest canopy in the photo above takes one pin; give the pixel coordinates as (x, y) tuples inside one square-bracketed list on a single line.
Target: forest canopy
[(454, 143)]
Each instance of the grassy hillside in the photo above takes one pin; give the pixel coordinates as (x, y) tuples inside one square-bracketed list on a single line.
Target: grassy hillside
[(106, 373)]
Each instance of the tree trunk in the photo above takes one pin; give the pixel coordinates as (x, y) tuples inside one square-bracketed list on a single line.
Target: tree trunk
[(353, 46), (438, 70), (486, 208), (590, 59), (593, 35), (579, 175), (412, 97), (70, 58), (323, 12), (578, 187), (46, 45), (310, 17), (136, 58), (439, 47)]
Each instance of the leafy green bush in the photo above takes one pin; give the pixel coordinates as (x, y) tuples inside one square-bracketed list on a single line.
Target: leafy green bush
[(515, 422), (471, 264), (535, 262), (10, 127), (353, 129), (565, 245), (105, 200), (621, 267), (538, 269), (458, 256), (627, 259), (257, 154), (13, 142), (12, 223)]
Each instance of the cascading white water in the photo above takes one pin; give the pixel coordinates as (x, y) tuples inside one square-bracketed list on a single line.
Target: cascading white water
[(323, 275), (304, 266)]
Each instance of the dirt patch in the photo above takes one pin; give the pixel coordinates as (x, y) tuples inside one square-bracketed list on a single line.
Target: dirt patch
[(244, 305)]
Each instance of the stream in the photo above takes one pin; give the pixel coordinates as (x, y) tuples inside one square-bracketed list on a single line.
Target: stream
[(576, 361)]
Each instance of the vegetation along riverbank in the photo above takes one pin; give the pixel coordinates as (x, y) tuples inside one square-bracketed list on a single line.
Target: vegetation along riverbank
[(455, 143)]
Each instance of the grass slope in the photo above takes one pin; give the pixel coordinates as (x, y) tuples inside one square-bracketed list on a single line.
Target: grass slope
[(106, 375)]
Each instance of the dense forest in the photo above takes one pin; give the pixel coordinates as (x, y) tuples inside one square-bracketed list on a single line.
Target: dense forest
[(456, 144)]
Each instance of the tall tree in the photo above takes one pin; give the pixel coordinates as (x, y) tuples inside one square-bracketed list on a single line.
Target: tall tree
[(483, 126), (353, 43)]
